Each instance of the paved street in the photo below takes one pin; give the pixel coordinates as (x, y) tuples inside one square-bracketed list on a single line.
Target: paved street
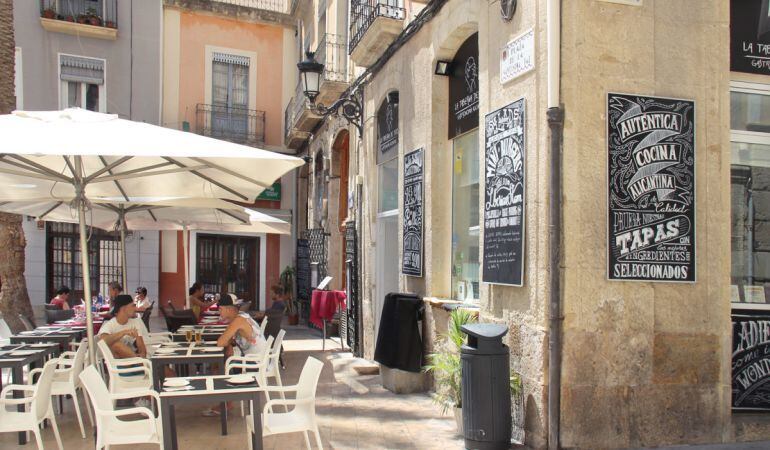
[(354, 412)]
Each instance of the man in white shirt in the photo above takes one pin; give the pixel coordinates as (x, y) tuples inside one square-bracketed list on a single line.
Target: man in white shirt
[(124, 333)]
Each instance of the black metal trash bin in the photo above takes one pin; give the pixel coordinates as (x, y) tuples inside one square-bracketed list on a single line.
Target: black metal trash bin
[(486, 391)]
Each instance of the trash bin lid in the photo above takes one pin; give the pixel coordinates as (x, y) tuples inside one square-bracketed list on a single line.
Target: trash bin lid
[(484, 338)]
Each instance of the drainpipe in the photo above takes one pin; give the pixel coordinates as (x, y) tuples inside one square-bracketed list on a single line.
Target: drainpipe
[(555, 116)]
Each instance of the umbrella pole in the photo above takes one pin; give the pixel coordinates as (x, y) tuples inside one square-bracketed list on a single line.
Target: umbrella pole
[(86, 279), (185, 236), (123, 252)]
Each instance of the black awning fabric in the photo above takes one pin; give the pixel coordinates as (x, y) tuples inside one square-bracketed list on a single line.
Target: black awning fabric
[(399, 343)]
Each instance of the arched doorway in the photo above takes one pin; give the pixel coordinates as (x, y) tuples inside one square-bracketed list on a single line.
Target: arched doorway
[(340, 170), (318, 190)]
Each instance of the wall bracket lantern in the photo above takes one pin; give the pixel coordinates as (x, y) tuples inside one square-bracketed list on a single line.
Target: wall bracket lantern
[(508, 9), (349, 105)]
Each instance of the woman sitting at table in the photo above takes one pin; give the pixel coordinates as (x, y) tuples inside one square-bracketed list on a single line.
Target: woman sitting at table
[(140, 299), (197, 303), (62, 298), (242, 331)]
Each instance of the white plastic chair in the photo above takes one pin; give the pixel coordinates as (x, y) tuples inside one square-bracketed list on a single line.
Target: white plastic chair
[(263, 326), (273, 369), (155, 339), (251, 363), (110, 430), (26, 322), (66, 380), (118, 370), (302, 415), (5, 332), (38, 410)]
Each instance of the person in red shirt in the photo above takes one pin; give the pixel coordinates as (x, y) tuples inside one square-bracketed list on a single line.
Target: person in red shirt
[(62, 298)]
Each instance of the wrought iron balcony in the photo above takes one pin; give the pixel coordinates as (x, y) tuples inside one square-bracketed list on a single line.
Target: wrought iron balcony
[(299, 119), (102, 13), (364, 13), (331, 52), (234, 124)]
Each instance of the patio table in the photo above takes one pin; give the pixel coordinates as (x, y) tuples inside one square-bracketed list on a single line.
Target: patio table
[(212, 389), (17, 362), (61, 336), (210, 332), (187, 355)]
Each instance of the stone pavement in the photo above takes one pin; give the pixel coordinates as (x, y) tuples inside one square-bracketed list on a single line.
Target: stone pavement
[(763, 445), (355, 412)]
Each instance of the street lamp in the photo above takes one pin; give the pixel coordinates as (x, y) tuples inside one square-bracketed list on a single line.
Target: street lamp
[(348, 105)]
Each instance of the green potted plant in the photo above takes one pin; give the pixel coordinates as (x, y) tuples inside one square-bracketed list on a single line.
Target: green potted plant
[(446, 366), (286, 284), (93, 17)]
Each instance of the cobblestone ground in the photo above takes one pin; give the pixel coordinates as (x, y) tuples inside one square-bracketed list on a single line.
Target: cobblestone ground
[(354, 411)]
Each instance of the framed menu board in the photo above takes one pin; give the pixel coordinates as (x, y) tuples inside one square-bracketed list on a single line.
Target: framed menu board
[(504, 201)]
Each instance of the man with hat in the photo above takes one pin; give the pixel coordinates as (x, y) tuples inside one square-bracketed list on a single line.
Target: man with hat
[(125, 334)]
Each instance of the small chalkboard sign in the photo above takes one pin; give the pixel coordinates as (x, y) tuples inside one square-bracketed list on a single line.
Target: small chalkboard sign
[(751, 360), (504, 195), (411, 262)]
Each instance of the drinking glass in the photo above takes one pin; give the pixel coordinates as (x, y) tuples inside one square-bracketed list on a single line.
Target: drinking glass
[(198, 336), (188, 334)]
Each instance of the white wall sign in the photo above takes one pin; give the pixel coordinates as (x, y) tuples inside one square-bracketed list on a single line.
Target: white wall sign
[(518, 57)]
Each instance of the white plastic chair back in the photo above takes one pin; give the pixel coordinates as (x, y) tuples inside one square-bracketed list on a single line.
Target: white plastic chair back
[(41, 401), (308, 379), (79, 362), (5, 331), (104, 349), (97, 390), (263, 326), (275, 352), (27, 324)]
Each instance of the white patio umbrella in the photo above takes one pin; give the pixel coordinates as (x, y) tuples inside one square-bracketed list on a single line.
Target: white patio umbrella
[(80, 154), (156, 215)]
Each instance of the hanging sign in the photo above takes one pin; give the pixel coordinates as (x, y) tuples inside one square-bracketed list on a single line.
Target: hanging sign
[(751, 360), (387, 127), (504, 195), (750, 36), (464, 88), (651, 195), (411, 262), (518, 57), (272, 192)]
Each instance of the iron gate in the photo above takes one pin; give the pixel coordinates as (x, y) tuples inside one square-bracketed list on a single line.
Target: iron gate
[(317, 242), (351, 326)]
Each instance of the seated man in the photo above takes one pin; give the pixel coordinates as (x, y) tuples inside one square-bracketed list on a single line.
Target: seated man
[(124, 333), (62, 298)]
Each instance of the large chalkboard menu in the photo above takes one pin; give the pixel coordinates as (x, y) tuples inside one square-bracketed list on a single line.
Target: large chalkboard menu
[(303, 269), (411, 262), (751, 360), (504, 153), (464, 88), (750, 36), (651, 195)]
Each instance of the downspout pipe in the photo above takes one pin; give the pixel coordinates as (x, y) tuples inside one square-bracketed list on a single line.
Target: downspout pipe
[(555, 117)]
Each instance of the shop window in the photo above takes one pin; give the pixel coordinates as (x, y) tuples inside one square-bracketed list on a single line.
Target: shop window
[(465, 216), (750, 194)]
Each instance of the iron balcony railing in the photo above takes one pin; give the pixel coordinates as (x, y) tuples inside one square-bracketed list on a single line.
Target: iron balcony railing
[(280, 6), (102, 13), (288, 120), (364, 12), (234, 124), (331, 53)]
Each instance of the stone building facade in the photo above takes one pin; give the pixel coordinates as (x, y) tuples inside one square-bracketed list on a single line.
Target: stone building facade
[(643, 363)]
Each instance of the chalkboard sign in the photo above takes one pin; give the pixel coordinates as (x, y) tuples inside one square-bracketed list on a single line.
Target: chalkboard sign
[(303, 269), (387, 127), (464, 88), (651, 195), (504, 195), (751, 360), (750, 36), (411, 262)]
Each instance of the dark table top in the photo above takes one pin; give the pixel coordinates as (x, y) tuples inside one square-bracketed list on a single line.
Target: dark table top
[(211, 385), (16, 355)]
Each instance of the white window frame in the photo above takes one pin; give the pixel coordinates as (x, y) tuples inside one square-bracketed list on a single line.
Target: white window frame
[(749, 137), (209, 75), (64, 85)]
